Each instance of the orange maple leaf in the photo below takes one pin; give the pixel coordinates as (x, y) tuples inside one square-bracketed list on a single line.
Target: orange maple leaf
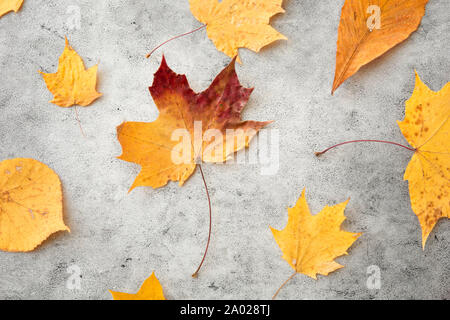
[(10, 5), (30, 204), (151, 289), (209, 121), (234, 24), (310, 243), (72, 83), (427, 128), (370, 28)]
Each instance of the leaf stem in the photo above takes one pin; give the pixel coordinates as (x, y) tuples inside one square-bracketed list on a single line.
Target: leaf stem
[(357, 141), (210, 223), (284, 283), (176, 37), (79, 122)]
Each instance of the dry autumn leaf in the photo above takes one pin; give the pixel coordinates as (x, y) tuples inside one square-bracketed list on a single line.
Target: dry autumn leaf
[(310, 243), (208, 123), (211, 120), (150, 290), (9, 5), (72, 83), (426, 127), (31, 206), (234, 24), (370, 28)]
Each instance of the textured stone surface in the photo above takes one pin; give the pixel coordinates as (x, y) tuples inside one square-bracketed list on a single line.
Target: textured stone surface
[(118, 239)]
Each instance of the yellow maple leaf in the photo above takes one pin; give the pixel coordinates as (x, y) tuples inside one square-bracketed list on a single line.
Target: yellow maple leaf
[(151, 289), (234, 24), (31, 206), (72, 83), (426, 127), (310, 243), (10, 5), (370, 28)]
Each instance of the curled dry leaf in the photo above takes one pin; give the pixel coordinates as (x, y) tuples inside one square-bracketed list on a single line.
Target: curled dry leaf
[(31, 207), (211, 120), (151, 289), (370, 28), (72, 83), (426, 127), (10, 5), (234, 24), (310, 243)]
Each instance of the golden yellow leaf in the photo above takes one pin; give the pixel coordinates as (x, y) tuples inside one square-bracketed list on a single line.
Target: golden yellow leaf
[(311, 243), (215, 111), (10, 5), (426, 127), (31, 206), (72, 83), (234, 24), (150, 290), (369, 28)]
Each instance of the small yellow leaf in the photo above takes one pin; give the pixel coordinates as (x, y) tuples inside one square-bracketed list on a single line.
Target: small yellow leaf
[(31, 206), (9, 5), (72, 83), (150, 290), (426, 127), (234, 24), (311, 243)]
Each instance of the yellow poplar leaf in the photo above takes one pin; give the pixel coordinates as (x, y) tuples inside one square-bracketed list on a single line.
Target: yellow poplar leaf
[(426, 127), (150, 290), (9, 5), (31, 206), (234, 24), (310, 243), (72, 83), (369, 28)]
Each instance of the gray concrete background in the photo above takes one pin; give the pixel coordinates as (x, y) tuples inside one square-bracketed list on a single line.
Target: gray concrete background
[(118, 239)]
